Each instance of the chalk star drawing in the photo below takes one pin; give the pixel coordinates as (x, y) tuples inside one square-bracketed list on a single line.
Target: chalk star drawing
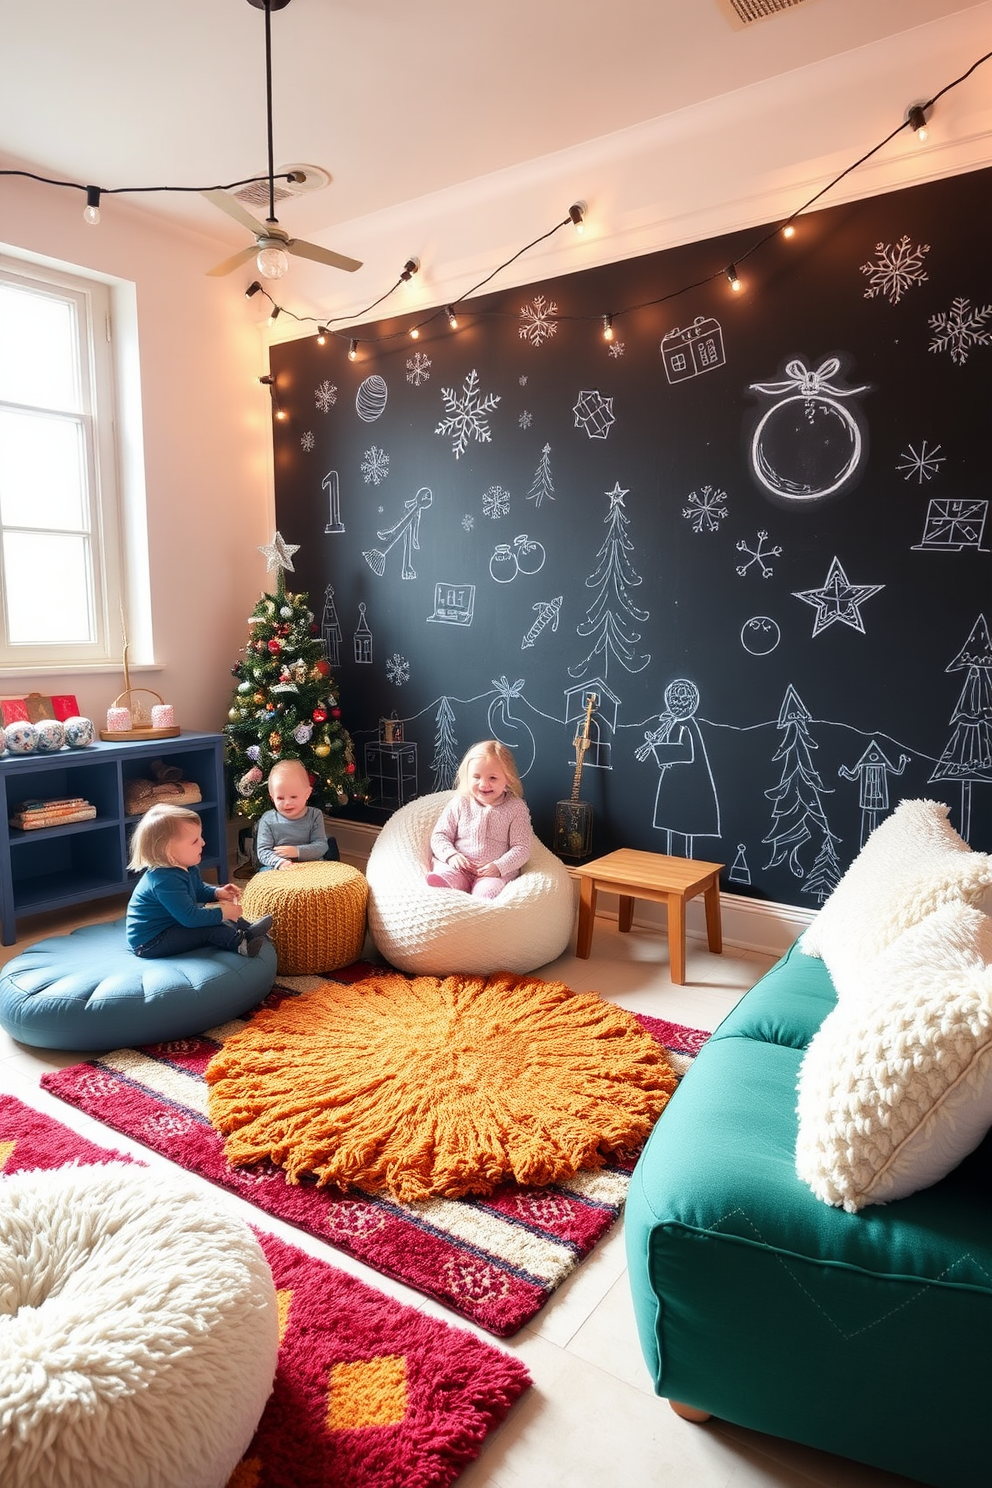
[(496, 503), (375, 466), (895, 268), (468, 414), (397, 669), (922, 462), (704, 509), (617, 349), (960, 329), (418, 368), (468, 521), (307, 441), (594, 413), (537, 320), (838, 600), (758, 554), (954, 524), (325, 396), (525, 420)]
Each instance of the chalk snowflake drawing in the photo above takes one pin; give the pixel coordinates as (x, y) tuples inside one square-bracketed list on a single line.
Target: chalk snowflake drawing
[(418, 368), (468, 414), (397, 669), (325, 396), (525, 420), (537, 320), (617, 349), (758, 555), (375, 466), (960, 329), (496, 503), (923, 463), (838, 600), (705, 509), (522, 379), (468, 521), (895, 268), (307, 441), (594, 413)]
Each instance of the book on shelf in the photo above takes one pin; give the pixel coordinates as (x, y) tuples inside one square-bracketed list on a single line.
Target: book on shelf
[(31, 820)]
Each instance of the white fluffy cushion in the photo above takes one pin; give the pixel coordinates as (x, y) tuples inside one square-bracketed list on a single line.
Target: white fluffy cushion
[(895, 1089), (437, 932), (138, 1331), (910, 864)]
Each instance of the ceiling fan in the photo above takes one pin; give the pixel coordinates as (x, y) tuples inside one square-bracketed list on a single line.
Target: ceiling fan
[(272, 244)]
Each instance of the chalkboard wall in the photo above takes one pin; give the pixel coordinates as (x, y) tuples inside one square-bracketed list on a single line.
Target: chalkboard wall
[(753, 526)]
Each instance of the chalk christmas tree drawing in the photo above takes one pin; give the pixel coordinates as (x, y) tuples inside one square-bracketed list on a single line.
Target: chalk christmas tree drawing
[(542, 487), (826, 872), (796, 804), (445, 761), (608, 617), (468, 414), (967, 756)]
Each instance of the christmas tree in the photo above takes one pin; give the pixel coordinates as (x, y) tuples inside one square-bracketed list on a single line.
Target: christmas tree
[(285, 704)]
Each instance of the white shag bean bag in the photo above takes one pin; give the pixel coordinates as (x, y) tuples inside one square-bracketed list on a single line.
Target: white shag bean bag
[(138, 1332), (439, 932)]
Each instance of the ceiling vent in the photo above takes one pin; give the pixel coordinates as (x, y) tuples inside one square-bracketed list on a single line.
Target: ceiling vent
[(308, 178), (746, 11)]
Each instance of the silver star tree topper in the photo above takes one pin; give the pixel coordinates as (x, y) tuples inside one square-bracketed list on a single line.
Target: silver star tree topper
[(279, 553)]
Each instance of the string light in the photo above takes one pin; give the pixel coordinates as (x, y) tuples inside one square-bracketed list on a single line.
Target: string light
[(277, 409), (353, 350), (410, 268), (322, 335), (414, 333), (252, 289), (789, 230), (577, 212), (274, 314), (607, 327), (91, 211), (731, 273), (916, 118), (449, 311)]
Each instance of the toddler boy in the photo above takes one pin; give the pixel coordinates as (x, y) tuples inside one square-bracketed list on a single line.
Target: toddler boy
[(293, 831)]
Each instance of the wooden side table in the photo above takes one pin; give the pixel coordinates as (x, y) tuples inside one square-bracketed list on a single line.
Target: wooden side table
[(646, 875)]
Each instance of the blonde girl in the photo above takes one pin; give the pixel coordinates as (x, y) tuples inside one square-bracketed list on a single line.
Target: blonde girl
[(483, 837)]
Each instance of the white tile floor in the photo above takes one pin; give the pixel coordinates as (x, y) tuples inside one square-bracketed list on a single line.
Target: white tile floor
[(591, 1419)]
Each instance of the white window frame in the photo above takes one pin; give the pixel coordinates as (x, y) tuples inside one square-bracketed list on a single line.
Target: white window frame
[(92, 301)]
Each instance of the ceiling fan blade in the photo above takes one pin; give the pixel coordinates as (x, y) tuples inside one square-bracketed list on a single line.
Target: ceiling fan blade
[(236, 210), (230, 264), (323, 255)]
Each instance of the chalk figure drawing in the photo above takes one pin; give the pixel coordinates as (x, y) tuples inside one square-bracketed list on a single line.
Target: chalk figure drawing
[(370, 400), (809, 443), (406, 530), (685, 804), (524, 557), (332, 486), (760, 635), (507, 728), (547, 614), (872, 771)]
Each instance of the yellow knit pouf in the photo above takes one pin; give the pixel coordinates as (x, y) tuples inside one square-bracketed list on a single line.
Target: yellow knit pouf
[(318, 914)]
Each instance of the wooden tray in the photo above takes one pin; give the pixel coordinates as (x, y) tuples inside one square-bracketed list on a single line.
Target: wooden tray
[(111, 736)]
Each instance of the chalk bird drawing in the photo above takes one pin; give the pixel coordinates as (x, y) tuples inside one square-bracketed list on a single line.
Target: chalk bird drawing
[(547, 614), (407, 531)]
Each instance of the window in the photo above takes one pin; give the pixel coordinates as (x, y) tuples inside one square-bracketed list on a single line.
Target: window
[(60, 587)]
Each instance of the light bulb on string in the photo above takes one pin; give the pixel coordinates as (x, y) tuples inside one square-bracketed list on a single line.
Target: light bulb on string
[(577, 212), (322, 335), (91, 211), (274, 314), (252, 289), (607, 327), (414, 333), (916, 118), (789, 230), (353, 351), (734, 281), (449, 311)]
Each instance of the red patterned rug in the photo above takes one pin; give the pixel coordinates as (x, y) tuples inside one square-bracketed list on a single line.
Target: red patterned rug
[(368, 1393), (495, 1260)]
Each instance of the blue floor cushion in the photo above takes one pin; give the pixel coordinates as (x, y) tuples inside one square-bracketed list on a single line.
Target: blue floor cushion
[(87, 991)]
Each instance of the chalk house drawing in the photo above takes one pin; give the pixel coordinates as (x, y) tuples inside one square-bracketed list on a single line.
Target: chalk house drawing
[(375, 466), (797, 807), (924, 463), (330, 628), (967, 756), (542, 487), (362, 639), (418, 368), (686, 805), (952, 525), (548, 611), (705, 509), (444, 765), (331, 484), (454, 604), (594, 413), (839, 601), (608, 616), (537, 320), (691, 351), (809, 443), (872, 773), (325, 396), (960, 329), (895, 268), (407, 531), (370, 400), (758, 555), (468, 414), (760, 635), (510, 730)]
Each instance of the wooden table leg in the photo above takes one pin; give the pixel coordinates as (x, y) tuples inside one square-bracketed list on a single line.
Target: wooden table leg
[(625, 914), (587, 918), (714, 931), (676, 938)]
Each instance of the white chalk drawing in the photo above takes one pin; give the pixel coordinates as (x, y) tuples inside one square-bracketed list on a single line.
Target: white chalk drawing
[(608, 615), (445, 762), (952, 525), (594, 413), (826, 872), (362, 639), (696, 349), (454, 604), (330, 628), (542, 487), (967, 756), (522, 379), (924, 463), (895, 268), (332, 486), (325, 396), (839, 601), (599, 753), (524, 557), (495, 503), (617, 349), (705, 509), (397, 669), (797, 807), (686, 805), (547, 615), (510, 730), (307, 441), (760, 635), (739, 870), (525, 419), (468, 521), (808, 444), (468, 414), (370, 400), (537, 320), (407, 531), (375, 466), (391, 771), (418, 368), (960, 329), (759, 555), (872, 772)]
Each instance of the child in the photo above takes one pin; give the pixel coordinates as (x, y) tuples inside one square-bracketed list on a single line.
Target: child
[(483, 836), (172, 910), (293, 832)]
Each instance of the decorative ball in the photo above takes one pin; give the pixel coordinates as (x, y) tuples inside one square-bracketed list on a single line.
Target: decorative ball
[(349, 769), (21, 737), (320, 715), (254, 752), (235, 713), (51, 735), (335, 712), (79, 732), (258, 699), (244, 687), (343, 797), (302, 733), (268, 607), (322, 667), (323, 750), (286, 612), (275, 742)]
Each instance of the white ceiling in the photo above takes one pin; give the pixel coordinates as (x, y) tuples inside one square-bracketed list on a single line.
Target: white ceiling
[(397, 100)]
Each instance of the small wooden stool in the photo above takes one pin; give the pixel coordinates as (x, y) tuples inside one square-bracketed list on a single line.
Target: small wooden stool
[(318, 914), (646, 875)]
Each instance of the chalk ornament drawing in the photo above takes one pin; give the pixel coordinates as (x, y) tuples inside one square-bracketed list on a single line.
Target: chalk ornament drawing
[(548, 611), (760, 635), (370, 400), (524, 557), (809, 444)]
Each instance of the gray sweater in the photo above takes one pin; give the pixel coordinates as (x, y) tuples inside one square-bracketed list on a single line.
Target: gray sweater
[(306, 832)]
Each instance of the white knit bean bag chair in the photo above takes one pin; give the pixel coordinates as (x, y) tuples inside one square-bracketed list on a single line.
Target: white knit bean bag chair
[(138, 1331), (438, 932)]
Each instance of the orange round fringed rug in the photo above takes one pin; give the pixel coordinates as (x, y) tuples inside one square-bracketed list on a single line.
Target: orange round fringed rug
[(425, 1087)]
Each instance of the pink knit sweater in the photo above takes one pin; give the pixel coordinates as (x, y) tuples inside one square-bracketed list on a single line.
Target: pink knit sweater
[(499, 834)]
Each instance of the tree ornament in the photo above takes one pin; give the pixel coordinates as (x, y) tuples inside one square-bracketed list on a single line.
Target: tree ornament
[(286, 612), (302, 733), (322, 668), (342, 798), (335, 712), (258, 699), (244, 687), (259, 645), (234, 714), (275, 646), (319, 715), (322, 749), (349, 769), (275, 742)]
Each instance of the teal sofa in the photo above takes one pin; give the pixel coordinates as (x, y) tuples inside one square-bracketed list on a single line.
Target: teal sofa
[(863, 1334)]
